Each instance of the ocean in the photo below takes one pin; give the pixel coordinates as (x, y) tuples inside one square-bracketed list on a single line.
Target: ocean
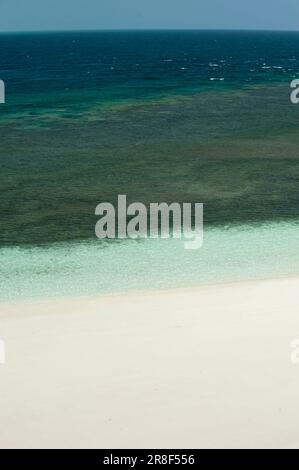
[(185, 116)]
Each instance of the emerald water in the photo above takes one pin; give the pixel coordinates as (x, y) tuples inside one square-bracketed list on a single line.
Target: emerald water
[(159, 116), (89, 268)]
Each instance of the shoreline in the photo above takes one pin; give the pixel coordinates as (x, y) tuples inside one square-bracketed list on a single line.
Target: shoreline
[(199, 367), (15, 303)]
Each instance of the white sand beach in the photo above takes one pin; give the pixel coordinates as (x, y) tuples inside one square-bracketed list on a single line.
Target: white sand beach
[(206, 367)]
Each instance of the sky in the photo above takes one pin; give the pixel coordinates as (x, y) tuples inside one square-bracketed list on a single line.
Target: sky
[(44, 15)]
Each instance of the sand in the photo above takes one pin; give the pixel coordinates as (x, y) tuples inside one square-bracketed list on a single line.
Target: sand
[(207, 367)]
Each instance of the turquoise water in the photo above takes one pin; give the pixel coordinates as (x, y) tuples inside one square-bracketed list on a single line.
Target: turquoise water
[(87, 268), (179, 116)]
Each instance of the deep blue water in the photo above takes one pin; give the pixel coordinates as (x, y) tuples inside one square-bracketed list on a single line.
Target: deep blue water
[(139, 62)]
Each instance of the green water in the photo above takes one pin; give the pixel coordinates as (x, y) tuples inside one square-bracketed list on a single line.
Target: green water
[(90, 268), (236, 151)]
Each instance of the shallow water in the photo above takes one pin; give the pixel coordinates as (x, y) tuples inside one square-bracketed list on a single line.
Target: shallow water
[(87, 268)]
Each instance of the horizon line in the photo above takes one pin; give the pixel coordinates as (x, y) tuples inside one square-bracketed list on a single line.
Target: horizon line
[(39, 31)]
